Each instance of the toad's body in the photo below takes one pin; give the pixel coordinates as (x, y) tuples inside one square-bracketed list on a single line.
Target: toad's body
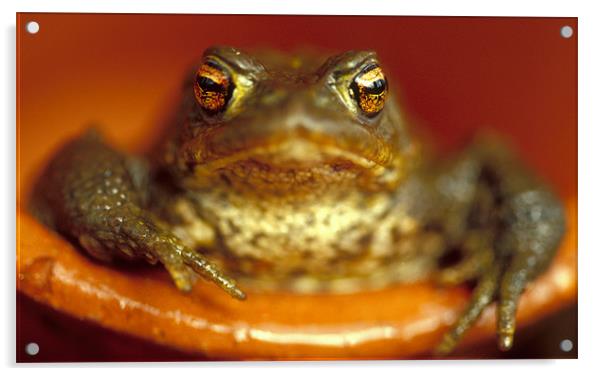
[(300, 173)]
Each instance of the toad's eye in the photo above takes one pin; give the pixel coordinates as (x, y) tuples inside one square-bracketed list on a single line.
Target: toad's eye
[(213, 87), (369, 89)]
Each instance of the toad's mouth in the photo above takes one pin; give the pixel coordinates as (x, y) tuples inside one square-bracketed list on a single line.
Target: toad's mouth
[(289, 163), (290, 143), (297, 154)]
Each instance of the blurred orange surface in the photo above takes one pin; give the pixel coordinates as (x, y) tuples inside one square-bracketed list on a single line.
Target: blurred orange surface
[(516, 76)]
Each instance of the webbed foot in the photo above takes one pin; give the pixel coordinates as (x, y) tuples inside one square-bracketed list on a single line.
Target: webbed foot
[(531, 226), (180, 261), (98, 196)]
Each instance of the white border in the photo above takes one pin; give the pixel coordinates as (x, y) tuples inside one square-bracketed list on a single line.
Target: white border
[(351, 7), (590, 187)]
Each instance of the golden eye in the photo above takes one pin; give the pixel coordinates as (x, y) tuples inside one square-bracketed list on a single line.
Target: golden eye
[(213, 87), (369, 89)]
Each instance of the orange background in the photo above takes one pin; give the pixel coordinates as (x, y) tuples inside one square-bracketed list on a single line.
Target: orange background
[(457, 75)]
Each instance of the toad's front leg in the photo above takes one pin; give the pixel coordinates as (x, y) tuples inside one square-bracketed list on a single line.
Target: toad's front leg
[(517, 221), (97, 196)]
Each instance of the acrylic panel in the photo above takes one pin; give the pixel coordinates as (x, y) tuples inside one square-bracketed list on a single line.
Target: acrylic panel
[(302, 177)]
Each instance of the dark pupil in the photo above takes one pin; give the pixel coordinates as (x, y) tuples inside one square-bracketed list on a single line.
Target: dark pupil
[(376, 87), (208, 85)]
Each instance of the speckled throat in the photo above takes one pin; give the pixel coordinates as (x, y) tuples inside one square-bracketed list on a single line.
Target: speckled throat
[(338, 240)]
